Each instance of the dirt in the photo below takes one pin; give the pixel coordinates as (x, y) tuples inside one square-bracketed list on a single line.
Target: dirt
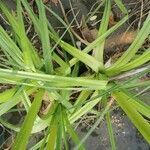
[(127, 137)]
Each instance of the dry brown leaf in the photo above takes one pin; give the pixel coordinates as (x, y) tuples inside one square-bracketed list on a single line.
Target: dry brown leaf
[(45, 1), (55, 2), (121, 39), (112, 21), (46, 104), (89, 35)]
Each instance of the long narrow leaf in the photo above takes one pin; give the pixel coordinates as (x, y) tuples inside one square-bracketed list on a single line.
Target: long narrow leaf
[(141, 124), (28, 123), (98, 51), (121, 6), (44, 34), (68, 81), (130, 53), (101, 116), (145, 57), (100, 39), (85, 58), (110, 131), (84, 109)]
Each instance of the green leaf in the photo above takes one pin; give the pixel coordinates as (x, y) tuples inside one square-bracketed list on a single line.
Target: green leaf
[(98, 51), (80, 55), (44, 36), (72, 133), (121, 6), (61, 21), (17, 23), (130, 53), (52, 135), (110, 131), (28, 123), (145, 57), (99, 39), (4, 107), (26, 101), (65, 68), (139, 105), (58, 81), (7, 95), (59, 143), (101, 116), (141, 124), (81, 99), (84, 109), (137, 84), (11, 50), (23, 40)]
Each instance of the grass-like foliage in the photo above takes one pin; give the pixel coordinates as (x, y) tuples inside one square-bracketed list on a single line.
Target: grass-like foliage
[(56, 77)]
